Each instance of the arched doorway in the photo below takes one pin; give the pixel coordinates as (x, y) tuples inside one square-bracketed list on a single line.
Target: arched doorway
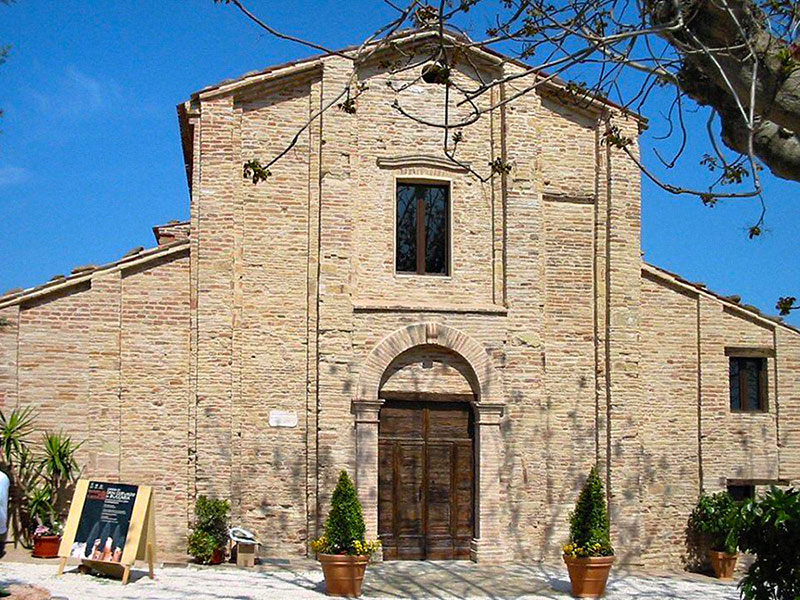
[(426, 457), (483, 393)]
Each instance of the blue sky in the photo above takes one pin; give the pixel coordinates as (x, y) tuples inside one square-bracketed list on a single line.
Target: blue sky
[(90, 155)]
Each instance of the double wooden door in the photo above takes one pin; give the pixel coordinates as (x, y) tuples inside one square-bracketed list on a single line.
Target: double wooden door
[(425, 480)]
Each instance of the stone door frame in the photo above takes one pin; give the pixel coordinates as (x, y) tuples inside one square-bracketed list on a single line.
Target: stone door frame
[(489, 406)]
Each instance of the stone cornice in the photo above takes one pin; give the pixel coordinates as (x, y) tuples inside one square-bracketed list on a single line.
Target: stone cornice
[(421, 160), (478, 309)]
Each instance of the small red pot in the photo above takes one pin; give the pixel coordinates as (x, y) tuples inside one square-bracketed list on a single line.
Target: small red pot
[(218, 556), (46, 546), (724, 564)]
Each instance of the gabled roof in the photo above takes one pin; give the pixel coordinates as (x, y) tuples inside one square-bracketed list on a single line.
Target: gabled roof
[(407, 36), (302, 66), (731, 302)]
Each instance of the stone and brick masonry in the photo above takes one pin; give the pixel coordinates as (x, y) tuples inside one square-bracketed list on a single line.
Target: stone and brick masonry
[(284, 297)]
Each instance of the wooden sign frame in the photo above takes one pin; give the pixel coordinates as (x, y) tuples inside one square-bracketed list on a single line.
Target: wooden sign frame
[(140, 542)]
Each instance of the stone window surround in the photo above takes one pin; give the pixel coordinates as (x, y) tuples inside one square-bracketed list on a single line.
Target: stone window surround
[(765, 353), (489, 406), (432, 180)]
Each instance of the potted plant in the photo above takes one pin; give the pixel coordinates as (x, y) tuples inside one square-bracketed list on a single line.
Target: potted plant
[(47, 501), (46, 529), (589, 554), (210, 533), (343, 550), (20, 466), (716, 517)]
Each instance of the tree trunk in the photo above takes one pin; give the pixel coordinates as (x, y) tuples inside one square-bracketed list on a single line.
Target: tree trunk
[(717, 70)]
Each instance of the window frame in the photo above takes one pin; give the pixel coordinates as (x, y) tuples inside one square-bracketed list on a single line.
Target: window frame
[(748, 490), (763, 382), (432, 181)]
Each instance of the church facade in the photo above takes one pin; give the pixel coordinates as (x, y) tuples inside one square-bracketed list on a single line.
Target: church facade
[(466, 347)]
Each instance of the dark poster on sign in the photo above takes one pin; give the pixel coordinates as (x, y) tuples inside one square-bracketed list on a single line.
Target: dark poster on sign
[(104, 522)]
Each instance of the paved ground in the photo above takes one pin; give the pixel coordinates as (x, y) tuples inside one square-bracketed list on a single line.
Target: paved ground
[(415, 580)]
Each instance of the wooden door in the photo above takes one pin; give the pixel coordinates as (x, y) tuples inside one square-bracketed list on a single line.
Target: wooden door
[(425, 480)]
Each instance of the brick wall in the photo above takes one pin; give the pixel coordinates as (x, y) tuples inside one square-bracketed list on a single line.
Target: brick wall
[(106, 361), (692, 441)]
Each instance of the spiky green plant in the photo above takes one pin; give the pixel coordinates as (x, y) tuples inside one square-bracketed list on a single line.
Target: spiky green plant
[(21, 466), (41, 505), (15, 429), (59, 462), (589, 528), (60, 469)]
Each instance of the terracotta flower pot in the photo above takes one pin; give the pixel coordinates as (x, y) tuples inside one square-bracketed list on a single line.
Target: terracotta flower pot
[(343, 574), (723, 563), (218, 556), (46, 546), (588, 575)]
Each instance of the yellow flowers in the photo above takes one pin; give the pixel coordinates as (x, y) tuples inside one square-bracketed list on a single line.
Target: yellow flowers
[(359, 547), (320, 545), (575, 551), (367, 547)]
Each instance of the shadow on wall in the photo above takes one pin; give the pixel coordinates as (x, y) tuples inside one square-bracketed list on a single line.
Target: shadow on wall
[(567, 459), (697, 547)]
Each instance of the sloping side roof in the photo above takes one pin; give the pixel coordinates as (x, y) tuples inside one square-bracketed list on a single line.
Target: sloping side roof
[(136, 257), (732, 302)]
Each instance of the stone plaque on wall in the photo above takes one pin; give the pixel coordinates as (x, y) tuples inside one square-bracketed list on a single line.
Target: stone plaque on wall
[(282, 418)]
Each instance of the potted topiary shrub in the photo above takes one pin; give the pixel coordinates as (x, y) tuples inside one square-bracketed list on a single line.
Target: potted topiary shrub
[(343, 550), (589, 554), (210, 533), (716, 516)]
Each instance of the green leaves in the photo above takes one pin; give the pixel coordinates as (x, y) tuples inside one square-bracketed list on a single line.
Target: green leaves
[(716, 516), (41, 505), (254, 170), (500, 166), (59, 462), (614, 137), (786, 304), (201, 546), (40, 479), (14, 432), (345, 524), (588, 524), (210, 528), (770, 528), (347, 106)]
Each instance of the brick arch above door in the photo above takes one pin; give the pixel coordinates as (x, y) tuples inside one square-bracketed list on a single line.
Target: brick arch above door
[(372, 370)]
